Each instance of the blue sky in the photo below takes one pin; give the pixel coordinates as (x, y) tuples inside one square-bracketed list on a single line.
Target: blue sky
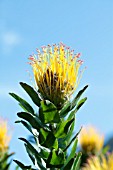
[(86, 26)]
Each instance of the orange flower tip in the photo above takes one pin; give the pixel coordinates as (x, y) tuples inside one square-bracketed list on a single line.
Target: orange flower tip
[(31, 58), (62, 44), (78, 55), (80, 62), (38, 51), (72, 51), (43, 46), (67, 48), (29, 63)]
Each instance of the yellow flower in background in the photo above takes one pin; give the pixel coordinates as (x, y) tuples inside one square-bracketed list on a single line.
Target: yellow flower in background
[(4, 137), (56, 71), (91, 141), (102, 163)]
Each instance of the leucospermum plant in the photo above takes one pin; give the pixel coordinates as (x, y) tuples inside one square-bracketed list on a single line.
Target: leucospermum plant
[(100, 163), (57, 75), (4, 145), (91, 142)]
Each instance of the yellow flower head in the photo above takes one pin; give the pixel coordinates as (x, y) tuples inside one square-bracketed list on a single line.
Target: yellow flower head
[(56, 70), (4, 137), (102, 163), (90, 140)]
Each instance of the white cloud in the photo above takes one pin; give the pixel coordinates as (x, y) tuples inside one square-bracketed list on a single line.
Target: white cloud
[(9, 40)]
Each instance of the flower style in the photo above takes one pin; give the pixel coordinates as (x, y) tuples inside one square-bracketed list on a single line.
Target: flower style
[(56, 71), (4, 137), (90, 140), (102, 163)]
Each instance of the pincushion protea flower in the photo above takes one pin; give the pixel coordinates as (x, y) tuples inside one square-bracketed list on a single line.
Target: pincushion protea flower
[(102, 163), (4, 137), (90, 140), (56, 72), (4, 145)]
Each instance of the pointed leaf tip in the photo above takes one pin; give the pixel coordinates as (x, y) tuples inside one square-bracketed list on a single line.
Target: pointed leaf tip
[(23, 103), (32, 93)]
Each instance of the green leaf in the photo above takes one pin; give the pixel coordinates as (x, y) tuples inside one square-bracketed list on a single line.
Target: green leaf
[(4, 163), (80, 103), (34, 152), (56, 158), (51, 141), (63, 128), (44, 153), (7, 166), (105, 149), (68, 165), (70, 105), (72, 114), (63, 142), (32, 157), (73, 164), (33, 120), (22, 166), (30, 154), (76, 165), (48, 112), (73, 150), (47, 139), (64, 111), (32, 93), (32, 149), (43, 135), (72, 140), (5, 158), (17, 167), (76, 99), (69, 135), (25, 105), (28, 126)]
